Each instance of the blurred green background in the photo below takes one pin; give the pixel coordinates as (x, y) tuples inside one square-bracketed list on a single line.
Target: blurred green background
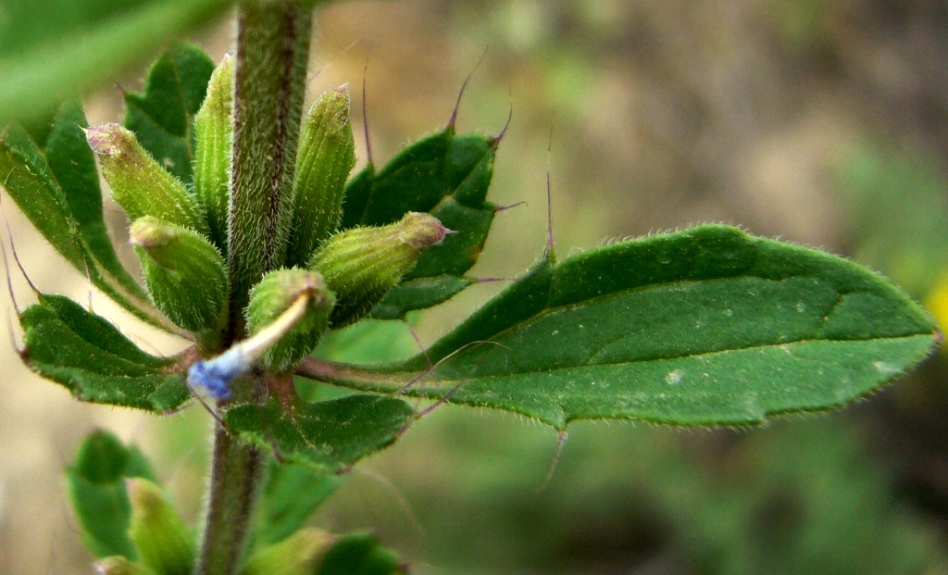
[(824, 123)]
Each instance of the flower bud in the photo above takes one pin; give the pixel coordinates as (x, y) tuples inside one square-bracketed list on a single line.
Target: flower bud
[(163, 541), (214, 131), (119, 565), (270, 298), (326, 156), (184, 273), (362, 264), (296, 555), (139, 184)]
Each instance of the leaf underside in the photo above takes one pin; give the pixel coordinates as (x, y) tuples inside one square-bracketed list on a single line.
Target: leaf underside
[(327, 435), (448, 176), (163, 116), (90, 357), (708, 326)]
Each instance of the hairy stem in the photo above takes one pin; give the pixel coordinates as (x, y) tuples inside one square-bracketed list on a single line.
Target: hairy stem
[(270, 80), (272, 54), (235, 475)]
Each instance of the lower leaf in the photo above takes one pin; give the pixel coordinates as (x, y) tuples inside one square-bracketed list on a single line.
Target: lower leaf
[(328, 435), (709, 326)]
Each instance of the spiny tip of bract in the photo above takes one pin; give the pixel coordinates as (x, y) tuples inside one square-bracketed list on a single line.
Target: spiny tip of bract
[(421, 230)]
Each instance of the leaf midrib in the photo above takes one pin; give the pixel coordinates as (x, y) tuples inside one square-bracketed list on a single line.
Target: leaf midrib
[(592, 300)]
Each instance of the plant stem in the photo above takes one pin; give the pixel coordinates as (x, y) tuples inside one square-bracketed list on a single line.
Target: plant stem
[(270, 79), (272, 55), (235, 474)]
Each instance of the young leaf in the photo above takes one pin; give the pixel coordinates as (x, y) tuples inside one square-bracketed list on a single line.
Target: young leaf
[(163, 541), (292, 494), (328, 435), (444, 174), (96, 485), (91, 358), (295, 555), (49, 171), (51, 50), (709, 326), (163, 117), (360, 554)]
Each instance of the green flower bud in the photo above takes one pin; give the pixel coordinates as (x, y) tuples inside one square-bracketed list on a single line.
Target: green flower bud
[(139, 184), (119, 565), (161, 538), (184, 273), (325, 158), (214, 130), (361, 264), (297, 555), (275, 293)]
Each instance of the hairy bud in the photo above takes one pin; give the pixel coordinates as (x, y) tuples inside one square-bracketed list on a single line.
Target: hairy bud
[(139, 184), (270, 298), (362, 264), (161, 538), (184, 273), (326, 156), (214, 130)]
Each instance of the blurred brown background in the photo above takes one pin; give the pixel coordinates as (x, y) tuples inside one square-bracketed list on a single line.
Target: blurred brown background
[(824, 123)]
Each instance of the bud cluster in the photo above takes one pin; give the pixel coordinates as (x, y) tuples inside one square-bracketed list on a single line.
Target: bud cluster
[(181, 233)]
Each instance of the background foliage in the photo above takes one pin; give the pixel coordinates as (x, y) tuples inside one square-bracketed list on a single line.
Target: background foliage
[(824, 123)]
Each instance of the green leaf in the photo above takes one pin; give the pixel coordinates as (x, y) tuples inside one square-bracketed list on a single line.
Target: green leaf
[(444, 174), (329, 435), (163, 117), (292, 494), (51, 50), (709, 326), (91, 358), (50, 173), (360, 554), (96, 485)]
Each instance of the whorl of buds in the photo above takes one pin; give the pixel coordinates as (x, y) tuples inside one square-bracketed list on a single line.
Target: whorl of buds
[(160, 536), (270, 298), (139, 184), (362, 264), (326, 156), (214, 130), (184, 273)]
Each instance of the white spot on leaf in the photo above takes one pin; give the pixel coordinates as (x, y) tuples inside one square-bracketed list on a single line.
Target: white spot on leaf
[(675, 377), (883, 367)]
